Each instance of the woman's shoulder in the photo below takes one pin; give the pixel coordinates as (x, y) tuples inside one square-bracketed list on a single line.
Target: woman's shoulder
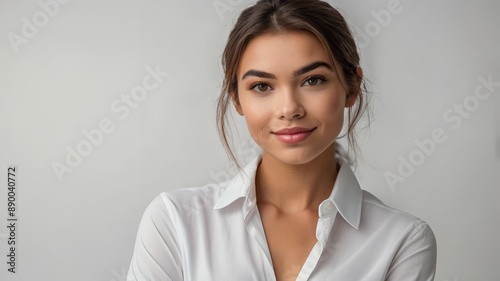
[(375, 211), (188, 199), (408, 241)]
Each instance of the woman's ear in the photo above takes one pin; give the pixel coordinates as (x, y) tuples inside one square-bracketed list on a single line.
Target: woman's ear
[(352, 96), (351, 99), (236, 103)]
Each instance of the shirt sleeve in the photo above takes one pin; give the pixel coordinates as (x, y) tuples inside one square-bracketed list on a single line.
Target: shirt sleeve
[(156, 253), (416, 258)]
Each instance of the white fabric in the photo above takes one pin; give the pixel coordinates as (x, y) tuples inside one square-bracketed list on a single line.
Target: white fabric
[(215, 233)]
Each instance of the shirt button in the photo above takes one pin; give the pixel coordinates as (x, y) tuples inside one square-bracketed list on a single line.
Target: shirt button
[(326, 208)]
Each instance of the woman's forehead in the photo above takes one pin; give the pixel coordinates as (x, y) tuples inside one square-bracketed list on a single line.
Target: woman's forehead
[(289, 50)]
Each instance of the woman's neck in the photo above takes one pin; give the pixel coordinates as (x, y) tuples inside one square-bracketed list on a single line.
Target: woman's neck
[(296, 188)]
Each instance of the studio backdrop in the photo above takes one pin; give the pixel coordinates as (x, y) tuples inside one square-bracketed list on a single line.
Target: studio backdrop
[(105, 104)]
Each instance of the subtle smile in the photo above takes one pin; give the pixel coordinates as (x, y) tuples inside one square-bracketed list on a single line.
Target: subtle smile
[(293, 135)]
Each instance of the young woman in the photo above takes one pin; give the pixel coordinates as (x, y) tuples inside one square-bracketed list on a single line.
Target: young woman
[(296, 212)]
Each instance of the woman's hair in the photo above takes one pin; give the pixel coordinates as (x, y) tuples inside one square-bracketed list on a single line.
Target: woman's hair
[(278, 16)]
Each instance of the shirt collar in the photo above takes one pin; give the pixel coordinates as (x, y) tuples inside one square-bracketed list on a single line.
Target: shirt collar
[(346, 195), (241, 186)]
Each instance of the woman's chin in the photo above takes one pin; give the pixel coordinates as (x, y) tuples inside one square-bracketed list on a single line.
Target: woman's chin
[(292, 158)]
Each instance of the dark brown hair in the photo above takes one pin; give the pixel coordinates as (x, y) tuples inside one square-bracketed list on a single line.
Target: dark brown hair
[(278, 16)]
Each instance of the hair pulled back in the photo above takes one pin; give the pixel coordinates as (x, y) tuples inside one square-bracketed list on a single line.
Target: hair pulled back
[(279, 16)]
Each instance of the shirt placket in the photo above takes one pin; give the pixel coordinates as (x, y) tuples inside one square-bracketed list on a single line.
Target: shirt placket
[(255, 229), (327, 213)]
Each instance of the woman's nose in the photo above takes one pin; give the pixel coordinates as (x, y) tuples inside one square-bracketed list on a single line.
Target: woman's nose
[(289, 105)]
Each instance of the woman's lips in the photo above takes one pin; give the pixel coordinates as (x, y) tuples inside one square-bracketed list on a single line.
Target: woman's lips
[(293, 135)]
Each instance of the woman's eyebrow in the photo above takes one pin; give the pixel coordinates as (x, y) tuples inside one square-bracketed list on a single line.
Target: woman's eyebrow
[(311, 67), (296, 73), (258, 73)]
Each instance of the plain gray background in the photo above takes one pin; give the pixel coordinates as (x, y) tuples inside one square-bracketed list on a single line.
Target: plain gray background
[(68, 72)]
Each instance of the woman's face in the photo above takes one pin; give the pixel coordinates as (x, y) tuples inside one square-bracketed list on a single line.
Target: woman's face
[(291, 96)]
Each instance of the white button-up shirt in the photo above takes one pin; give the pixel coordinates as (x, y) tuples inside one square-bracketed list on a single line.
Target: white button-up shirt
[(215, 233)]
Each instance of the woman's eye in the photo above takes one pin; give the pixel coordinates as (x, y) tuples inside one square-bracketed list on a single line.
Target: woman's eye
[(261, 87), (312, 81)]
